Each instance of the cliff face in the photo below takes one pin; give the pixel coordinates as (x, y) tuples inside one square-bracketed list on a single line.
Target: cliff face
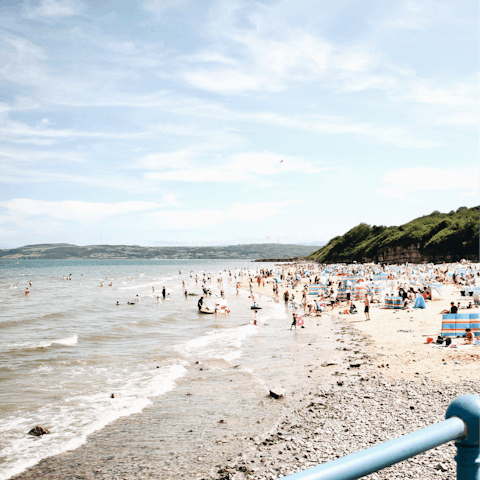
[(410, 254), (413, 254), (437, 238)]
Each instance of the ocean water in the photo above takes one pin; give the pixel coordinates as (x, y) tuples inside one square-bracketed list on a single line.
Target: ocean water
[(66, 347)]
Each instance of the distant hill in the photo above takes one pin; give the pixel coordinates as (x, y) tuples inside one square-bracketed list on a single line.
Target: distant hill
[(68, 251), (438, 237)]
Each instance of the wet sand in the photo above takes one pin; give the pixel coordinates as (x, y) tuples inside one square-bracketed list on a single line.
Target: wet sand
[(136, 447)]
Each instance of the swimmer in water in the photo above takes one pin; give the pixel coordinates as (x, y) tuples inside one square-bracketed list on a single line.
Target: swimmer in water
[(110, 284), (158, 300), (30, 283), (27, 291), (118, 303), (137, 298)]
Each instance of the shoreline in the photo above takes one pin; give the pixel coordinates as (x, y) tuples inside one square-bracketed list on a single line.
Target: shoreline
[(366, 405), (130, 446)]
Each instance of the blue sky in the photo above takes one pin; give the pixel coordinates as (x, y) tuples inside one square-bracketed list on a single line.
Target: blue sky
[(158, 122)]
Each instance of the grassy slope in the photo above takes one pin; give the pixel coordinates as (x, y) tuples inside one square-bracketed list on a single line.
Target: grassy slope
[(66, 251), (440, 236)]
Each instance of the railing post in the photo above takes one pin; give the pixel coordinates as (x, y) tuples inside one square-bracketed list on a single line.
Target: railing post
[(467, 407)]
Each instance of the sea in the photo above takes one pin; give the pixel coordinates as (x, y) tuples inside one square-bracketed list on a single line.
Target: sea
[(67, 347)]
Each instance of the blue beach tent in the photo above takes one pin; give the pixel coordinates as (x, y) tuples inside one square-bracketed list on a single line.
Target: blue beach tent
[(419, 302)]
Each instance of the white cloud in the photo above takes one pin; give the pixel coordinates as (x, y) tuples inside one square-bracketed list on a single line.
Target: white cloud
[(55, 9), (404, 181), (174, 159), (85, 212), (236, 168), (242, 212)]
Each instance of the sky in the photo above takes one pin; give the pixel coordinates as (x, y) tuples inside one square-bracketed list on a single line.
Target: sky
[(183, 122)]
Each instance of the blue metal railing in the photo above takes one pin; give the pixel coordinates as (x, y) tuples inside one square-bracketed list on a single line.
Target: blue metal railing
[(462, 425)]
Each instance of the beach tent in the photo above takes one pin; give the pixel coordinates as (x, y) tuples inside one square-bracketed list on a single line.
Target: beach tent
[(454, 325), (419, 302), (434, 295)]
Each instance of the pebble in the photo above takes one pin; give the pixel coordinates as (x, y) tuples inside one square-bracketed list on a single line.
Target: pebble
[(336, 422)]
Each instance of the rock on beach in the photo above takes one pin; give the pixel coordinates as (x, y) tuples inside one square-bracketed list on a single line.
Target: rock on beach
[(38, 431)]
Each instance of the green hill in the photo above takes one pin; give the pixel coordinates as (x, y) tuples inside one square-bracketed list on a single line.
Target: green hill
[(437, 237), (68, 251)]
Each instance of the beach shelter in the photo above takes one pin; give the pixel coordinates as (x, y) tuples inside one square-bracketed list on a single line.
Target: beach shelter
[(342, 295), (316, 289), (454, 325), (360, 291), (434, 295), (419, 302), (393, 302)]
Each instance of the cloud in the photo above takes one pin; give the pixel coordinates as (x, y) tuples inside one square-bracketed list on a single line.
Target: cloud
[(158, 7), (404, 181), (242, 212), (235, 168), (55, 9), (85, 212)]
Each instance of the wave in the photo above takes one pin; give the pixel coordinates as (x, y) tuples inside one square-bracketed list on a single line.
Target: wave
[(69, 341), (78, 417), (216, 344)]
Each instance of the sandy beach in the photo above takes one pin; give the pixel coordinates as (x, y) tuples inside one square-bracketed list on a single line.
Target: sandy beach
[(402, 385), (397, 338), (370, 381)]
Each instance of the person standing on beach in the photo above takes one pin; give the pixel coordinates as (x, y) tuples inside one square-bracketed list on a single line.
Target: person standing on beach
[(294, 322), (286, 296), (367, 308)]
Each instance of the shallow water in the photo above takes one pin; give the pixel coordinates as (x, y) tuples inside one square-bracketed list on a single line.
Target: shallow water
[(66, 347)]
